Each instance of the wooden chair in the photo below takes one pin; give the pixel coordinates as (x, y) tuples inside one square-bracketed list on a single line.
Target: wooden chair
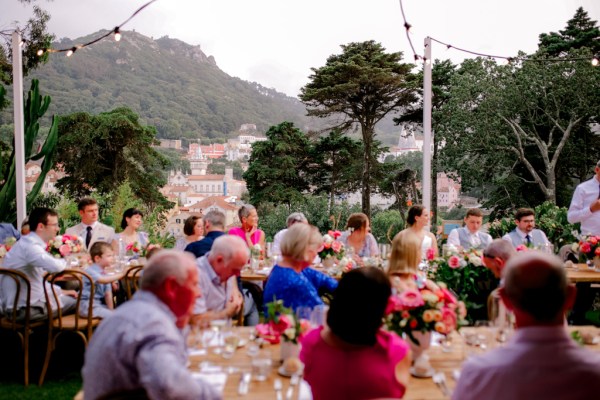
[(131, 281), (59, 323), (23, 327)]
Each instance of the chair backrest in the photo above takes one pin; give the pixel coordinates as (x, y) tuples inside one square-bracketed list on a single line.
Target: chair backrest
[(132, 280), (53, 298), (21, 282)]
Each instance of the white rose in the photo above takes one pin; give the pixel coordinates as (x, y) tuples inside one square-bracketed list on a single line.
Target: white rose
[(475, 261), (290, 333)]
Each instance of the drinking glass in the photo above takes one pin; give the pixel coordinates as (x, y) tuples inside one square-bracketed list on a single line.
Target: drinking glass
[(217, 325), (231, 341), (319, 315), (261, 364), (485, 334)]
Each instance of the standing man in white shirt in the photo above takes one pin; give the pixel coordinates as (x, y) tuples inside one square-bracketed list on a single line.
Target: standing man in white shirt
[(469, 235), (29, 256), (585, 205), (90, 230), (525, 232)]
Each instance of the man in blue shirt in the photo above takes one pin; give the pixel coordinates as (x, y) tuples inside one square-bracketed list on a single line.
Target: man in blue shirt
[(214, 226)]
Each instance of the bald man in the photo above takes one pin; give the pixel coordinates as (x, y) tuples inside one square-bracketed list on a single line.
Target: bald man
[(541, 361)]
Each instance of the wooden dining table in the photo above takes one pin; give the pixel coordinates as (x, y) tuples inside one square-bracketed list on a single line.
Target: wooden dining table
[(418, 388), (580, 273)]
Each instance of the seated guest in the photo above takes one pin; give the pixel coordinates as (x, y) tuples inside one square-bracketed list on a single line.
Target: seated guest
[(541, 361), (345, 358), (418, 222), (469, 235), (29, 255), (217, 272), (248, 230), (90, 230), (404, 261), (358, 238), (192, 230), (291, 220), (214, 226), (8, 231), (131, 223), (292, 280), (103, 257), (25, 227), (496, 255), (525, 232), (140, 351)]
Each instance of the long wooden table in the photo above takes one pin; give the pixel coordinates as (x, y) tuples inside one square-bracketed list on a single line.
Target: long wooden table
[(583, 274), (418, 388)]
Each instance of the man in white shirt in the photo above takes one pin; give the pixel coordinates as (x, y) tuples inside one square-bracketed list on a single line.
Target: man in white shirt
[(291, 220), (525, 232), (585, 205), (217, 272), (29, 255), (469, 236), (90, 230), (540, 361)]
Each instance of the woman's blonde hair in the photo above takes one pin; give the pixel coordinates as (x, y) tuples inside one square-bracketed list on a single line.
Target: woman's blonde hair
[(406, 253), (297, 239)]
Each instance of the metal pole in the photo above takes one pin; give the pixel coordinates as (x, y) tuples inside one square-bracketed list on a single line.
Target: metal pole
[(427, 134), (17, 64)]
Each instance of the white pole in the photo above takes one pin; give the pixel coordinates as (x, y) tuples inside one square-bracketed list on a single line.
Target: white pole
[(427, 134), (17, 64)]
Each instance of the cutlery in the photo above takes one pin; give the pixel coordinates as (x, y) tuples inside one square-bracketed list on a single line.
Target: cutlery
[(439, 378), (244, 382), (278, 386), (290, 391)]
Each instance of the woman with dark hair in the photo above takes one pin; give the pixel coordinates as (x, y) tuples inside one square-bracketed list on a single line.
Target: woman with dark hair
[(358, 238), (192, 231), (418, 220), (352, 357), (131, 222)]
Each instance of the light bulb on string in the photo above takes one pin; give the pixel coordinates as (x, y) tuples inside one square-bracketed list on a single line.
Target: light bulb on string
[(71, 51), (595, 61), (117, 34), (40, 52)]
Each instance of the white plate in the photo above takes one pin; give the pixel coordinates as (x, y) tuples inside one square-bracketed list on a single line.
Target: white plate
[(427, 374), (281, 371)]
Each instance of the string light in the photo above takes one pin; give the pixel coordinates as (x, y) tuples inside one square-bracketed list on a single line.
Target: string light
[(116, 31), (595, 61)]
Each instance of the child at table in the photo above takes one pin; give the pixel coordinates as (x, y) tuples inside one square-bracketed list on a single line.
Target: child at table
[(103, 257)]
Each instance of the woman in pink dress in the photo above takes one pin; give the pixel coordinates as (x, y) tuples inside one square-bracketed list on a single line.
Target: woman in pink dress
[(352, 357), (249, 230)]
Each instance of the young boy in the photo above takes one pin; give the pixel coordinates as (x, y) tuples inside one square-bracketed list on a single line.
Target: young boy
[(102, 256)]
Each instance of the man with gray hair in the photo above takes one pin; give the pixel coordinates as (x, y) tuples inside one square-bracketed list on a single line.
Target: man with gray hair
[(139, 351), (541, 361), (496, 255), (291, 220), (217, 272), (585, 205), (214, 226)]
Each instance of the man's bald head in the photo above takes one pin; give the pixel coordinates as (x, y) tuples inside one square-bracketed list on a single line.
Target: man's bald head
[(536, 284)]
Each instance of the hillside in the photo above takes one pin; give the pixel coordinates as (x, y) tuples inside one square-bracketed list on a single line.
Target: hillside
[(172, 85)]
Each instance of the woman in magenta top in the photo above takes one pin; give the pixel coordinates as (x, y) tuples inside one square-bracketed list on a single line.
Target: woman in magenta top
[(352, 358), (249, 230)]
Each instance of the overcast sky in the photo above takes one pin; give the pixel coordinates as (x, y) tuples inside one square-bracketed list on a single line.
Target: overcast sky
[(276, 42)]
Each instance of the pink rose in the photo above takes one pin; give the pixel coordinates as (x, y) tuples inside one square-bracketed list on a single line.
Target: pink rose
[(521, 248), (448, 296), (283, 324), (585, 247), (327, 245), (336, 246), (413, 323), (264, 331), (64, 250), (454, 262), (393, 305), (449, 319), (597, 252), (430, 254), (66, 237), (593, 240), (411, 299)]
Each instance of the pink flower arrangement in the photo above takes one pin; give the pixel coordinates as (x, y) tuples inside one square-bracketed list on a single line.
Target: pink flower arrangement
[(64, 245), (454, 261), (589, 247), (430, 254), (331, 246), (282, 323), (431, 307)]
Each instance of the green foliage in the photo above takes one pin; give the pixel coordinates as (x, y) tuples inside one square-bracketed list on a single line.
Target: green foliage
[(581, 31), (176, 161), (218, 167), (386, 224), (34, 109), (278, 167), (102, 151), (361, 85), (67, 213)]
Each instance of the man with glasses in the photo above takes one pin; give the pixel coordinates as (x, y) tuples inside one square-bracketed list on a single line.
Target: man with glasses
[(525, 232), (29, 256)]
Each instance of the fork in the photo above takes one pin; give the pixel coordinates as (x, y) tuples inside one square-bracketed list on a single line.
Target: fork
[(278, 386), (439, 378), (290, 391)]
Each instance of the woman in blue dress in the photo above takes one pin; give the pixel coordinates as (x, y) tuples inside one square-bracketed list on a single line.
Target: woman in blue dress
[(292, 280)]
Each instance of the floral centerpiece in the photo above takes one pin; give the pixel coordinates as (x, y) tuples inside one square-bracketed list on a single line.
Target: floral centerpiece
[(465, 274), (332, 249), (256, 251), (5, 247), (64, 245), (136, 250), (282, 323), (588, 248)]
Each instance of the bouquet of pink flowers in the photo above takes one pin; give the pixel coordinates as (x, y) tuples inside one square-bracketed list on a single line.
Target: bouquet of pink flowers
[(430, 307), (588, 247), (282, 323), (63, 245), (5, 247), (331, 246)]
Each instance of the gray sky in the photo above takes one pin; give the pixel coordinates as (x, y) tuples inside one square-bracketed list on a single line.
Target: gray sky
[(276, 42)]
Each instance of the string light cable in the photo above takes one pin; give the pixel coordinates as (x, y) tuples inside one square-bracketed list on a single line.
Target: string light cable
[(116, 31), (595, 60)]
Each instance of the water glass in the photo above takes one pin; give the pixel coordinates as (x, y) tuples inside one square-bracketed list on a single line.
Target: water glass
[(231, 341), (261, 365), (319, 315)]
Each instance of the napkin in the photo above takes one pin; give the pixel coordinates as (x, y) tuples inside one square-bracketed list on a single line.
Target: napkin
[(216, 379), (265, 271), (304, 392)]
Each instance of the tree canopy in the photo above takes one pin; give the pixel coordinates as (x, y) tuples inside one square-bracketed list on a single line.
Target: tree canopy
[(361, 86), (100, 152)]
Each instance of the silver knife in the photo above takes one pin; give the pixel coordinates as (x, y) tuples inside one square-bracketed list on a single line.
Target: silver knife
[(244, 382)]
